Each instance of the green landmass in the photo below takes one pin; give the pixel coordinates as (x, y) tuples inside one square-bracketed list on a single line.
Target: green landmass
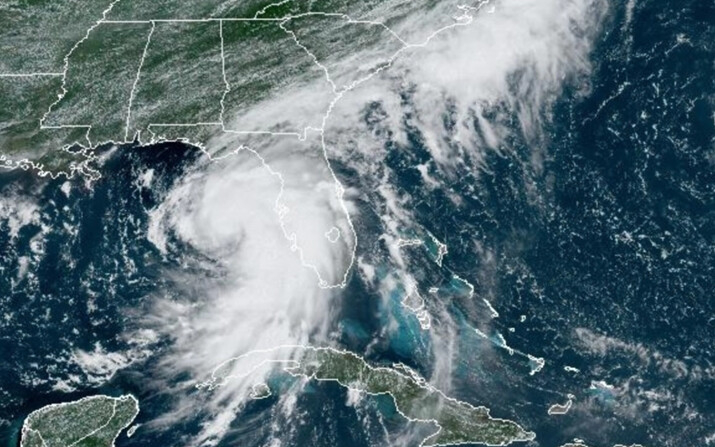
[(102, 70), (36, 35), (186, 9), (458, 422), (22, 102), (90, 422), (350, 51), (87, 72), (181, 79), (196, 135), (263, 61)]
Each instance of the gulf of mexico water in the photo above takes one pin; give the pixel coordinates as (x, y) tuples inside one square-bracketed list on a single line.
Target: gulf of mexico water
[(597, 253)]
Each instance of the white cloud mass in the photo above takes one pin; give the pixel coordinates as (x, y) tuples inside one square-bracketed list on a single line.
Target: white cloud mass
[(271, 221)]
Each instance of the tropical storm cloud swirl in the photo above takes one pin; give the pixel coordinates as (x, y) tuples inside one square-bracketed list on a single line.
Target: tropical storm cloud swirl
[(503, 208)]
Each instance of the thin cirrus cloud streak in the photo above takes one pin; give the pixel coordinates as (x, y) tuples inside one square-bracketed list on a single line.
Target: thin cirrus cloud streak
[(268, 221), (518, 57), (513, 60), (515, 57)]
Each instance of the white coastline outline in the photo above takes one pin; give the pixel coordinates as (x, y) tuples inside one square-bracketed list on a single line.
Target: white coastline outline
[(213, 383), (27, 428), (462, 20), (27, 164)]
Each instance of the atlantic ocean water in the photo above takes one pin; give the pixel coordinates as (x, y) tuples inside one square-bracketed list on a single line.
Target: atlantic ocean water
[(593, 239)]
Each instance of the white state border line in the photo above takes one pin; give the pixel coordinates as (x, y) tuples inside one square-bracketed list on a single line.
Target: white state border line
[(29, 75), (136, 80), (462, 20), (227, 85), (67, 62), (281, 25), (465, 19), (280, 209), (267, 7), (246, 19)]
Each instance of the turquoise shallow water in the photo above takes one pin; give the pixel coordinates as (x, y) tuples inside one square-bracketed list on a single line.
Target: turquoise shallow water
[(600, 261)]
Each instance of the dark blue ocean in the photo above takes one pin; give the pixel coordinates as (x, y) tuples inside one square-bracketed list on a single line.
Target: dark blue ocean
[(600, 259)]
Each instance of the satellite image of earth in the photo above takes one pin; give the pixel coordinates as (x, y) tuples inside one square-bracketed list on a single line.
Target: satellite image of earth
[(352, 223)]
